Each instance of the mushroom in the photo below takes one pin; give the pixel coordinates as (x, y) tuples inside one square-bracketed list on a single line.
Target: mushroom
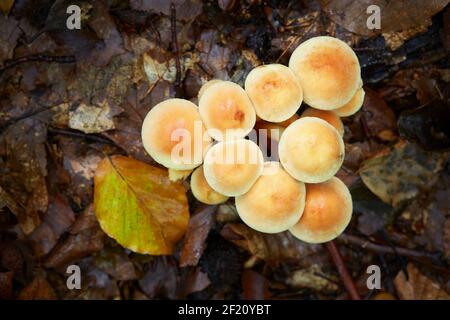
[(275, 92), (328, 211), (353, 106), (202, 191), (232, 167), (174, 135), (311, 150), (274, 203), (328, 71), (329, 116), (226, 111), (206, 85)]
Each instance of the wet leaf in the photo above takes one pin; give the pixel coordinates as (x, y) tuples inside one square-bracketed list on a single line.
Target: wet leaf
[(395, 15), (269, 247), (402, 173), (85, 238), (138, 206), (38, 289), (416, 286), (195, 240), (427, 125)]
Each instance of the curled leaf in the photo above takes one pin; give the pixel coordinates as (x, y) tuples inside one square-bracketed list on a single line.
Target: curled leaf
[(137, 205)]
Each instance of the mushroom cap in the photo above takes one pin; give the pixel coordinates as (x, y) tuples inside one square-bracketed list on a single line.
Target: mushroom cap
[(329, 116), (275, 91), (174, 135), (328, 211), (232, 167), (274, 203), (311, 150), (227, 111), (328, 71), (353, 106), (206, 85), (202, 191)]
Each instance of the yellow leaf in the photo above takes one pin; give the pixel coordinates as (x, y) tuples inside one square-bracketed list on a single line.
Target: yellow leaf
[(137, 205), (6, 5)]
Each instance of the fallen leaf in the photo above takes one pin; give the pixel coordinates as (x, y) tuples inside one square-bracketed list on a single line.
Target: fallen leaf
[(6, 5), (185, 9), (193, 280), (137, 205), (57, 220), (6, 286), (161, 279), (311, 278), (195, 240), (395, 15), (84, 239), (9, 35), (270, 247), (116, 263), (416, 286), (402, 173), (38, 289), (92, 118), (254, 286)]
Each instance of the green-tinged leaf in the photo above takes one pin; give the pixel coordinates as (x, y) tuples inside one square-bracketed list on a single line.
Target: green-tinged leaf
[(137, 205), (402, 173)]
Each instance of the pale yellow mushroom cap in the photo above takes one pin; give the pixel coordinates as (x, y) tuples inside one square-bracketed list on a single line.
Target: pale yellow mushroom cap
[(226, 108), (275, 91), (311, 150), (202, 191), (328, 71), (173, 134), (329, 116), (353, 105), (274, 203), (232, 167), (328, 211), (206, 85)]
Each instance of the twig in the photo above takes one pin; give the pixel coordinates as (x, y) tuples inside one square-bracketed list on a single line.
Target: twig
[(26, 115), (343, 271), (81, 135), (36, 57), (175, 48), (365, 244)]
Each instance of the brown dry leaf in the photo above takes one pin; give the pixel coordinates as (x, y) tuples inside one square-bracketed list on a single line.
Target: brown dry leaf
[(395, 15), (38, 289), (84, 239), (6, 285), (195, 240), (402, 173), (185, 9), (116, 263), (446, 240), (138, 206), (311, 278), (57, 220), (254, 286), (270, 247), (23, 170), (162, 278), (8, 37), (417, 286)]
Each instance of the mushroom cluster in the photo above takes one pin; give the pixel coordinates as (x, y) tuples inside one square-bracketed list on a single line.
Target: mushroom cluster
[(300, 192)]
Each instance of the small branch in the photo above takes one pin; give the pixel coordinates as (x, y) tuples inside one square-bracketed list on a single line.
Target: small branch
[(365, 244), (343, 271), (175, 48), (26, 115), (36, 57)]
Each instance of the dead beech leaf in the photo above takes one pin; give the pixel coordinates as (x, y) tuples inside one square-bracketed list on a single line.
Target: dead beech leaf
[(6, 5), (185, 9), (418, 286), (402, 173), (38, 289), (195, 241), (395, 15), (137, 205), (310, 278)]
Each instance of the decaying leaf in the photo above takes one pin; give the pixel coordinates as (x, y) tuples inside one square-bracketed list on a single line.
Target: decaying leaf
[(312, 278), (185, 9), (270, 247), (402, 173), (416, 286), (138, 206), (6, 5), (38, 289), (395, 15), (92, 119)]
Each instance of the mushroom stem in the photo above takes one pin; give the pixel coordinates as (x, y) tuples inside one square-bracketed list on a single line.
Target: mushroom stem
[(343, 271)]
